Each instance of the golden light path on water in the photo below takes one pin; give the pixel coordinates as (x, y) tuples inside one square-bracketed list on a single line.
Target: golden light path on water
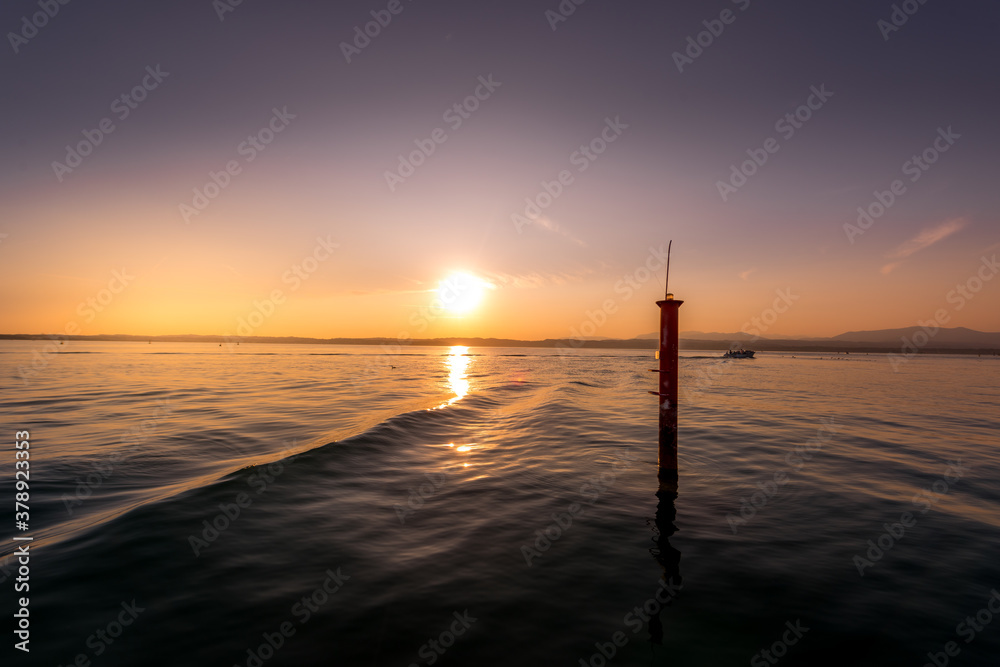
[(458, 364), (458, 381)]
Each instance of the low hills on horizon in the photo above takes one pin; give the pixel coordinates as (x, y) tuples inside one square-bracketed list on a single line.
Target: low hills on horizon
[(908, 339), (942, 337)]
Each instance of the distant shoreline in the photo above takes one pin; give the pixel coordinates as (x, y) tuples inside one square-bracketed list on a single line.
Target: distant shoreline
[(764, 345)]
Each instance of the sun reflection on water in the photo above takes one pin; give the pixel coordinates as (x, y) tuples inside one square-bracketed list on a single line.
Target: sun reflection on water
[(458, 381)]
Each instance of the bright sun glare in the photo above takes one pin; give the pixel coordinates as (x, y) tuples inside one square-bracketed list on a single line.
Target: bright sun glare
[(460, 293)]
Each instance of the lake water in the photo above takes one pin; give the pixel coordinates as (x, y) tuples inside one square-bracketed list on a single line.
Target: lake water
[(315, 505)]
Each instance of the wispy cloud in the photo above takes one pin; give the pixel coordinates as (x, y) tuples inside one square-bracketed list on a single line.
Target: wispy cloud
[(890, 267), (232, 270), (924, 239), (548, 224), (537, 279), (746, 274)]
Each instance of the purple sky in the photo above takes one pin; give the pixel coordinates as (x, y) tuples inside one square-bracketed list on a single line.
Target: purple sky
[(606, 77)]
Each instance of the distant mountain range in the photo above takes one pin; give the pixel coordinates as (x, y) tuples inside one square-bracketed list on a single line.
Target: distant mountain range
[(701, 335), (956, 340), (943, 338), (957, 336)]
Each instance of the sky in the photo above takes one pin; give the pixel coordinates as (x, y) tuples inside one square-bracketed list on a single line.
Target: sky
[(508, 169)]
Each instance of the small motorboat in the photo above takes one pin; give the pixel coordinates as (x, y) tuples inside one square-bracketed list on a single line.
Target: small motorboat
[(738, 354)]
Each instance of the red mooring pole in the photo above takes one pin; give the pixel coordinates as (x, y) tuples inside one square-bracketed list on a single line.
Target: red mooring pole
[(669, 321)]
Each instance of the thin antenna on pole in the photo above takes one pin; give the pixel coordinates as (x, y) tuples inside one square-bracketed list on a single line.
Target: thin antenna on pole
[(666, 288)]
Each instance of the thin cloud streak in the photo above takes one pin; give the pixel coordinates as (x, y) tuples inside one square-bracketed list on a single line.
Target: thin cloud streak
[(537, 279), (924, 239), (551, 225)]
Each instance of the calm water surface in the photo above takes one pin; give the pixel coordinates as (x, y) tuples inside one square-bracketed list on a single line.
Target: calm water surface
[(500, 506)]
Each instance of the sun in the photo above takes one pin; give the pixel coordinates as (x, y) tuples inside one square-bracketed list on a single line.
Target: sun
[(461, 293)]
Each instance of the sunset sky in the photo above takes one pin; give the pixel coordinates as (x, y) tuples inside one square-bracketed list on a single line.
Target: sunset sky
[(354, 252)]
